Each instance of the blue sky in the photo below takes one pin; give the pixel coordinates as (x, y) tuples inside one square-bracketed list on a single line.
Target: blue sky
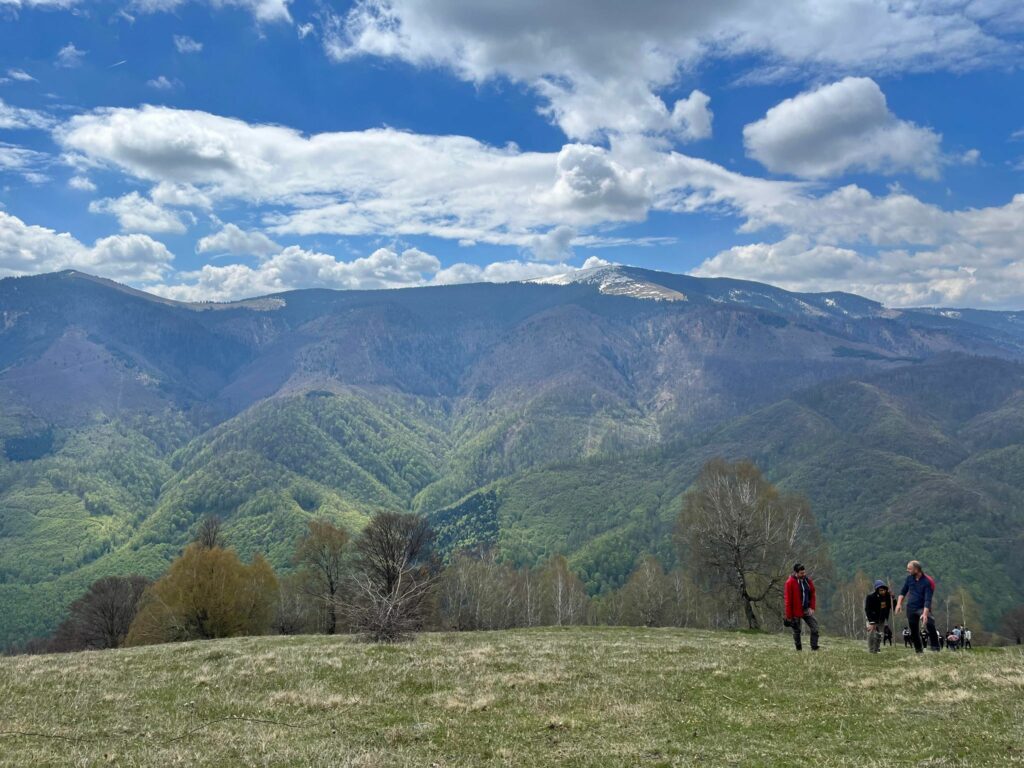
[(220, 150)]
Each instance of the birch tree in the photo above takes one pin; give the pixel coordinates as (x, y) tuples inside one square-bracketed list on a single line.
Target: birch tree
[(745, 535)]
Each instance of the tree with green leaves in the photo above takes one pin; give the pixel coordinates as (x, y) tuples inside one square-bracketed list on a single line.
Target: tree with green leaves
[(744, 534), (207, 593)]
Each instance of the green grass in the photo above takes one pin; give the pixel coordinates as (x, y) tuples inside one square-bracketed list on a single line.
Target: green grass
[(572, 697)]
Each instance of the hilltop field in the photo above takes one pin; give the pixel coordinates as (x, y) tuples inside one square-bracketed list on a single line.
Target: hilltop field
[(567, 697)]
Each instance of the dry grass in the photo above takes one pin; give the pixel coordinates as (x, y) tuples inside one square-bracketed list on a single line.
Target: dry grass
[(575, 697)]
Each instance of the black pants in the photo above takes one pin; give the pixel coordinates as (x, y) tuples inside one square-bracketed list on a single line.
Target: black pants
[(812, 624), (914, 617)]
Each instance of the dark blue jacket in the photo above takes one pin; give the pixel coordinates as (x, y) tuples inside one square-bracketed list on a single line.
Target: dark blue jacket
[(917, 593)]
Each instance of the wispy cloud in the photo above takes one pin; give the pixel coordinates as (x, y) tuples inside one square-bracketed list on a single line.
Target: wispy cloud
[(70, 57), (186, 44), (20, 75), (163, 84)]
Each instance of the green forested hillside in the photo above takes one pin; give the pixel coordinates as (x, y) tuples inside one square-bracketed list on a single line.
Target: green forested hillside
[(535, 419)]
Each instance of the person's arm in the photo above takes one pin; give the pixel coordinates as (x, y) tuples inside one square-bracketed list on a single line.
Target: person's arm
[(787, 601), (903, 593), (927, 599)]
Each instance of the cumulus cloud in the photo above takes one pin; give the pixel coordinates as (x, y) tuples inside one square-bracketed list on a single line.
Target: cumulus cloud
[(895, 249), (605, 66), (367, 182), (18, 118), (237, 242), (134, 212), (28, 249), (70, 57), (396, 184), (186, 44), (81, 183), (553, 245), (262, 10), (839, 127), (180, 196), (161, 83), (295, 267)]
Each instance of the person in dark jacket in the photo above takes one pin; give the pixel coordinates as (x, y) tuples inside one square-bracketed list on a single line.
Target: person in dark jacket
[(800, 604), (917, 592), (877, 606)]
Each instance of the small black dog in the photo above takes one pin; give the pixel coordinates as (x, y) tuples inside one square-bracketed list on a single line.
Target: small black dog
[(907, 642), (887, 635)]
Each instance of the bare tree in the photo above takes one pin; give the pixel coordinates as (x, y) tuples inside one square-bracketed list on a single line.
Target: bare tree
[(295, 613), (564, 599), (477, 592), (745, 534), (102, 617), (321, 554), (210, 533), (647, 594), (1012, 624), (849, 605), (393, 576)]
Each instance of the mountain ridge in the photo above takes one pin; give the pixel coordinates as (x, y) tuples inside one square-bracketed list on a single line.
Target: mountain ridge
[(125, 418)]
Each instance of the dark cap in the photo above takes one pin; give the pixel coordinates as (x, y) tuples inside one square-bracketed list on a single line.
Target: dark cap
[(879, 583), (798, 567)]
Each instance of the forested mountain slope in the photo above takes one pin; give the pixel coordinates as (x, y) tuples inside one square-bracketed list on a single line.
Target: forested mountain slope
[(538, 417)]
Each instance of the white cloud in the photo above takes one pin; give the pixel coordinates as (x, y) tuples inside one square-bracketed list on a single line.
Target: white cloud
[(263, 10), (25, 162), (19, 118), (971, 157), (604, 65), (395, 184), (186, 44), (135, 212), (237, 242), (840, 127), (367, 182), (553, 245), (894, 249), (294, 268), (163, 84), (70, 57), (20, 75), (305, 30), (180, 196), (498, 272), (81, 183), (28, 249)]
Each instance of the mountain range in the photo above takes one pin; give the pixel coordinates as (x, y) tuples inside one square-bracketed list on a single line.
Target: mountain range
[(568, 414)]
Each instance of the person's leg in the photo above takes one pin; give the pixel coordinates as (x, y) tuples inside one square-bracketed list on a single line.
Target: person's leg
[(914, 618), (874, 639), (812, 624), (933, 634), (796, 634)]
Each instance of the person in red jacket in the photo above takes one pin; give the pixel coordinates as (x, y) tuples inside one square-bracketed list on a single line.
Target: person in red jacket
[(800, 605)]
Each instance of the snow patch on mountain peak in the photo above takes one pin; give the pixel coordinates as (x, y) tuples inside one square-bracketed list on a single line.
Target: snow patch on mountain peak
[(612, 281)]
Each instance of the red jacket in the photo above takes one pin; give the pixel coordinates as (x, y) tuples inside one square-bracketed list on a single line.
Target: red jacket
[(794, 603)]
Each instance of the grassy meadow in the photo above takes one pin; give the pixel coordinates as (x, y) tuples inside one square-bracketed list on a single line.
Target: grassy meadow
[(567, 697)]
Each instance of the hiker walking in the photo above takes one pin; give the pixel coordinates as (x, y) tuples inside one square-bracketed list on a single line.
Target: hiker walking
[(917, 592), (877, 606), (800, 605)]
